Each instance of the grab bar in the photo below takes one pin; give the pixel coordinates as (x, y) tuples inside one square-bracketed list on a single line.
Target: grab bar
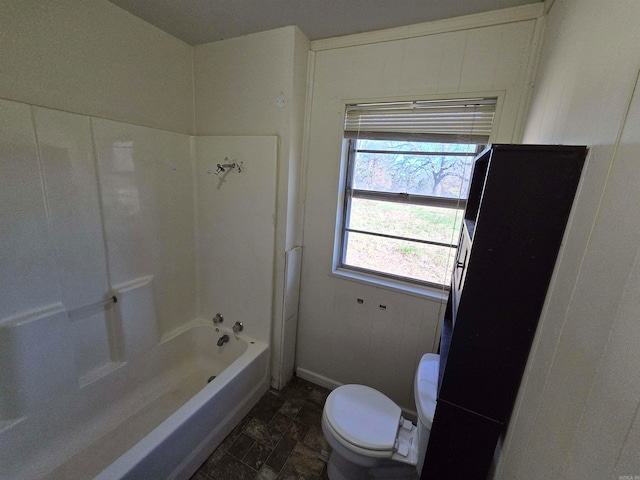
[(91, 309)]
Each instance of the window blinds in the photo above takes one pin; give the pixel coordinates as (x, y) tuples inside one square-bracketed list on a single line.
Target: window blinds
[(470, 119)]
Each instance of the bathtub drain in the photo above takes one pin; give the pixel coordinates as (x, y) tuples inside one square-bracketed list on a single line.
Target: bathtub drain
[(211, 378)]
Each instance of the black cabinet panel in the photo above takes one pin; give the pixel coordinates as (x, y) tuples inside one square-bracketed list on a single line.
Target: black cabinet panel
[(465, 445), (519, 201)]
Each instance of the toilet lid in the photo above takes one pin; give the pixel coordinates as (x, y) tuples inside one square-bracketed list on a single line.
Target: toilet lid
[(363, 416)]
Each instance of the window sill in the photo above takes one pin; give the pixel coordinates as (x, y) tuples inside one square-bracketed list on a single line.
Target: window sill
[(430, 293)]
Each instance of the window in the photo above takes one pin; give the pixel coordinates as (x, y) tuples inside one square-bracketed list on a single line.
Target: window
[(408, 167)]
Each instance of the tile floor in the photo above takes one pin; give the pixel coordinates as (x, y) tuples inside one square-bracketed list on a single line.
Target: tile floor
[(279, 439)]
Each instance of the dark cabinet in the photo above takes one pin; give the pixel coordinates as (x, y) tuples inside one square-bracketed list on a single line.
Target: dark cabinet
[(520, 198)]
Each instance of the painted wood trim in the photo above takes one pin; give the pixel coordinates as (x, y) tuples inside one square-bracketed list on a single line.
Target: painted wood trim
[(529, 81), (496, 17)]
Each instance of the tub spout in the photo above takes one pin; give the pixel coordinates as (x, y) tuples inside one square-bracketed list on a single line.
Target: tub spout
[(222, 340)]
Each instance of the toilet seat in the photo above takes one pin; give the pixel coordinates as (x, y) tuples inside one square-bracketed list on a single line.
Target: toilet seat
[(368, 423), (363, 417), (350, 446)]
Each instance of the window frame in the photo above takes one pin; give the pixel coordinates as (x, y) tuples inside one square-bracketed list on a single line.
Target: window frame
[(348, 192)]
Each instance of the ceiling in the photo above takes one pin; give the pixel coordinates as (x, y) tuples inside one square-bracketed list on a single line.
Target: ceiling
[(202, 21)]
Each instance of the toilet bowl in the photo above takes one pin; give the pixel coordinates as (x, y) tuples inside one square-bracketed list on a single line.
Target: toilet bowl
[(368, 435)]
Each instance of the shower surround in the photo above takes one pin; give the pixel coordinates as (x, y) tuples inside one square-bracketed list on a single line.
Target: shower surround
[(93, 209)]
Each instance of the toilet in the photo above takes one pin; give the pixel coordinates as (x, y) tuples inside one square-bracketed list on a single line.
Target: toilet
[(368, 435)]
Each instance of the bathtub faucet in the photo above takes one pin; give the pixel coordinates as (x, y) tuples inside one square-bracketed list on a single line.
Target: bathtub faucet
[(222, 340)]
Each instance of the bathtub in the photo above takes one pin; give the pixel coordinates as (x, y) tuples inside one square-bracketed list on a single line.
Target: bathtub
[(157, 417)]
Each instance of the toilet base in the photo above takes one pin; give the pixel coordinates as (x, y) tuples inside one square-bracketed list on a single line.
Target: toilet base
[(339, 468)]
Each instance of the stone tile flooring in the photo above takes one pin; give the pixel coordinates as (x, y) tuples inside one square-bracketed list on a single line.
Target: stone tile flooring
[(279, 439)]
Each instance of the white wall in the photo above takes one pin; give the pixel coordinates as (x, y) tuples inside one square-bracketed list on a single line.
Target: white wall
[(96, 59), (236, 231), (255, 85), (89, 206), (340, 340), (146, 187), (577, 412)]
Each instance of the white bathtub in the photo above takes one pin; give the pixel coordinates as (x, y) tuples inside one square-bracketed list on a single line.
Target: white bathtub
[(153, 418)]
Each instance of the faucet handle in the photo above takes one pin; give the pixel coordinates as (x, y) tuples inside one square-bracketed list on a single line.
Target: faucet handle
[(238, 327), (218, 319)]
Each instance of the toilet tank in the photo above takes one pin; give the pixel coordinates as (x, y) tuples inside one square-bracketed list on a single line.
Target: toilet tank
[(425, 390)]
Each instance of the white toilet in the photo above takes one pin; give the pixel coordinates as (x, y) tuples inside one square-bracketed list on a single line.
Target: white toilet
[(369, 437)]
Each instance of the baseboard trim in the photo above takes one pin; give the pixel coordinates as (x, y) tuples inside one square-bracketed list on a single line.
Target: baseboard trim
[(317, 378), (332, 385)]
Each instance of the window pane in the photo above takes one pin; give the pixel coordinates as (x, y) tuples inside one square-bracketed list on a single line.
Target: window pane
[(403, 258), (420, 222), (418, 174), (364, 144)]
